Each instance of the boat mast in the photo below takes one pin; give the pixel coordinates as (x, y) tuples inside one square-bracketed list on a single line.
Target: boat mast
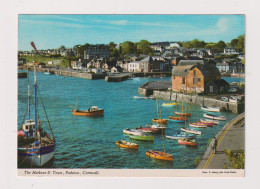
[(35, 99), (29, 114), (157, 108)]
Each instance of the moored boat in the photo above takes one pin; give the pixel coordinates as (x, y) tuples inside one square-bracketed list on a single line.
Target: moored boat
[(93, 111), (192, 131), (156, 126), (147, 129), (209, 121), (170, 104), (159, 155), (187, 142), (177, 136), (160, 121), (132, 131), (198, 125), (35, 146), (177, 118), (210, 109), (126, 144), (212, 116), (142, 137), (183, 114)]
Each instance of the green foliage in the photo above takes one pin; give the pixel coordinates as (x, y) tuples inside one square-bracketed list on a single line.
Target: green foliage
[(197, 161), (128, 47), (243, 61), (220, 45), (144, 47), (236, 158), (241, 43), (65, 63), (234, 42), (194, 44), (114, 52)]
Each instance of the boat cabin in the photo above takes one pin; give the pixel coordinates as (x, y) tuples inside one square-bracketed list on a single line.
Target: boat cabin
[(29, 128)]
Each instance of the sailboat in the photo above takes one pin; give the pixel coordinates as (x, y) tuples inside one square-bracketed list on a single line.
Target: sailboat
[(181, 113), (35, 146), (187, 141), (159, 120), (160, 155), (93, 111)]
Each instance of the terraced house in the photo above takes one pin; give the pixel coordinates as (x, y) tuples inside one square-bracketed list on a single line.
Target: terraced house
[(191, 76)]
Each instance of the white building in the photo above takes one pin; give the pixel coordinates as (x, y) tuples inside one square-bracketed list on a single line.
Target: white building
[(133, 66), (230, 50)]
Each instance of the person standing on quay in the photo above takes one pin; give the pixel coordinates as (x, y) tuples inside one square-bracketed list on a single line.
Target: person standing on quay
[(214, 144)]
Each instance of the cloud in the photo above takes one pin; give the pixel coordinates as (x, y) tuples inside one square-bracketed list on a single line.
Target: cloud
[(55, 23), (118, 22)]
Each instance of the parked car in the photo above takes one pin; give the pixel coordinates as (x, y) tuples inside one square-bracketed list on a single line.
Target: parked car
[(232, 90)]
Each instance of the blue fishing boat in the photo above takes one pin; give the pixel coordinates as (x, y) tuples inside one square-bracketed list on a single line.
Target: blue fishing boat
[(35, 146)]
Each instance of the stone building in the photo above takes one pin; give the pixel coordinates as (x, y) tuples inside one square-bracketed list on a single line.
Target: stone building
[(96, 51), (190, 76)]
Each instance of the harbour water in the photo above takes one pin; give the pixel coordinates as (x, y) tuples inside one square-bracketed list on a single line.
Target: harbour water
[(89, 142)]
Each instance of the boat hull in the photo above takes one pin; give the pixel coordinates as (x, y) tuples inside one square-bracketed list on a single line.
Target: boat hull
[(170, 104), (177, 137), (198, 125), (209, 121), (36, 156), (187, 143), (191, 131), (177, 119), (159, 155), (221, 118), (183, 114), (160, 121), (125, 144), (142, 137), (88, 113), (210, 109)]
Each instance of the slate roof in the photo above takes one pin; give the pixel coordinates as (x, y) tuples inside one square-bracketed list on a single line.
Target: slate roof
[(185, 66)]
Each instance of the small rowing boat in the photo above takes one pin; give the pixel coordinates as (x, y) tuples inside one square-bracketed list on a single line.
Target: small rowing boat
[(132, 131), (126, 144), (160, 121), (159, 155), (187, 142), (147, 129), (192, 131), (156, 126), (171, 104), (142, 137), (177, 118), (212, 116), (210, 109), (183, 114), (198, 125), (209, 121), (93, 111), (177, 136)]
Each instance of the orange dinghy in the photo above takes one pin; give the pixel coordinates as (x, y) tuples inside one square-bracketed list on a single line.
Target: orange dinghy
[(159, 155), (93, 111), (183, 114), (187, 142), (160, 121), (126, 144)]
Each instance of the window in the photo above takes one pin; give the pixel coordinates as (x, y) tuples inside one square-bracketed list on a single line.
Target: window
[(211, 89), (183, 80), (194, 81), (194, 73), (199, 79), (173, 77), (26, 127)]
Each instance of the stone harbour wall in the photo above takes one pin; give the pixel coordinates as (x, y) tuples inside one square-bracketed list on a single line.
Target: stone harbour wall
[(199, 100)]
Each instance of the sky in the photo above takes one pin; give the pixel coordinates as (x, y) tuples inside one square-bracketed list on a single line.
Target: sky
[(51, 31)]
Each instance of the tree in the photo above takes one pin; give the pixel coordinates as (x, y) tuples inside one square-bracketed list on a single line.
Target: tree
[(221, 45), (128, 47), (241, 43), (234, 42), (144, 47), (114, 52)]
